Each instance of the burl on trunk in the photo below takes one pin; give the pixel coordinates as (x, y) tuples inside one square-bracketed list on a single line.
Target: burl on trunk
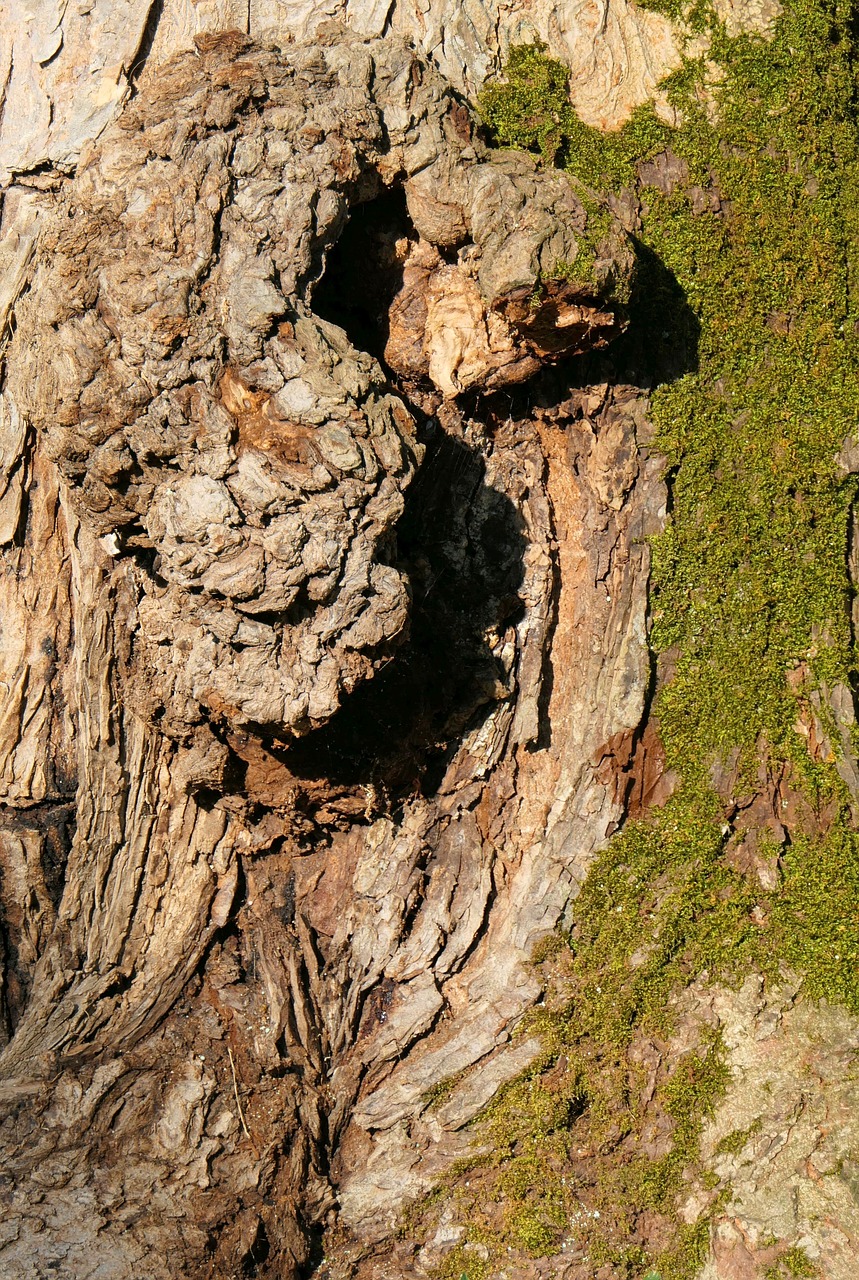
[(325, 639)]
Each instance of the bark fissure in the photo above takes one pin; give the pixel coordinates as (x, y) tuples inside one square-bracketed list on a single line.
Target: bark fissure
[(147, 39)]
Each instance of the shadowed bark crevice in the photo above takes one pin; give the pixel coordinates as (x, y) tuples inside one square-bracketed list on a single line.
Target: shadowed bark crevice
[(147, 40), (461, 545), (364, 270)]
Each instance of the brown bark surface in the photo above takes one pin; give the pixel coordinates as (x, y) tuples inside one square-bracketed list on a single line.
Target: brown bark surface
[(323, 647), (322, 681)]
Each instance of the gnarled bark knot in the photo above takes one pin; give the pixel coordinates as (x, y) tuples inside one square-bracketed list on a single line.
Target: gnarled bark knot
[(220, 1027), (208, 423)]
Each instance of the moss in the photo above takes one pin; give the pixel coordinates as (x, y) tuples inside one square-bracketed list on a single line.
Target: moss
[(748, 292), (663, 906), (531, 110), (549, 948), (532, 1232), (734, 1142), (749, 582), (582, 268), (463, 1263), (795, 1264), (815, 920), (439, 1092)]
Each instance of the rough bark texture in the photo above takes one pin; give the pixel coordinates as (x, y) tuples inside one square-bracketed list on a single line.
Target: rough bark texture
[(351, 884), (320, 693)]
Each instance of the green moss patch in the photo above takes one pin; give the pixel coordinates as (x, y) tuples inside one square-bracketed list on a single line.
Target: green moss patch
[(748, 293), (749, 578), (531, 110), (793, 1264)]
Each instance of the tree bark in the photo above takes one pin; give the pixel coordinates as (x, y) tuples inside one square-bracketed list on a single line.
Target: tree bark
[(324, 662), (319, 698)]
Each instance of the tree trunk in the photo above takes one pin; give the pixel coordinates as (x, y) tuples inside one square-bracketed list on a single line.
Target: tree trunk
[(325, 679)]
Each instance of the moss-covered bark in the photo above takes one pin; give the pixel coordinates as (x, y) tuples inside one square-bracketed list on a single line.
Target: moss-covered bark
[(747, 213)]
